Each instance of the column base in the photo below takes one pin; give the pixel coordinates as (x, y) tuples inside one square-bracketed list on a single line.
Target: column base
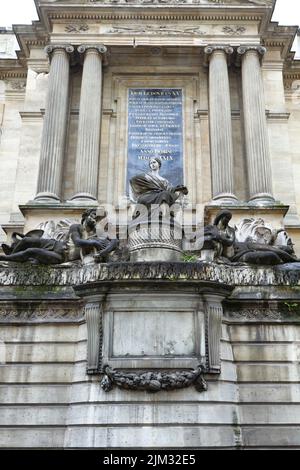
[(47, 197), (262, 199), (224, 199), (83, 198)]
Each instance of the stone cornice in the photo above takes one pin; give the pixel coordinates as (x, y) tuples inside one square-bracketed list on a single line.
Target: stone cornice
[(105, 274)]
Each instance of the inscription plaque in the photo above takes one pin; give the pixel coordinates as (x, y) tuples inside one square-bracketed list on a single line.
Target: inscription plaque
[(155, 129)]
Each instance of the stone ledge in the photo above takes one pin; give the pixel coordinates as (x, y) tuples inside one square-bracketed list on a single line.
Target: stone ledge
[(69, 274)]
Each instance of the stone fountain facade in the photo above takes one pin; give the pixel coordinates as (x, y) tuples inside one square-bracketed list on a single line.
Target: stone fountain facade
[(141, 349)]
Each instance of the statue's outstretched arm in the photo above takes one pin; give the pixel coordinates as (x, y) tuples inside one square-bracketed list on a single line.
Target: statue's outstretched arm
[(76, 236)]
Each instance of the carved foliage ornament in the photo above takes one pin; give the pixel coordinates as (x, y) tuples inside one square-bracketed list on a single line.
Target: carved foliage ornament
[(153, 381)]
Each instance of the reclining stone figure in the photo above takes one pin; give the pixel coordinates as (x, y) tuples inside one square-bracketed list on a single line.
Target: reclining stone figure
[(260, 247), (80, 240)]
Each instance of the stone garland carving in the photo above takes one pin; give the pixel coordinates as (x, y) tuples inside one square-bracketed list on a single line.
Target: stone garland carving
[(76, 28), (153, 381)]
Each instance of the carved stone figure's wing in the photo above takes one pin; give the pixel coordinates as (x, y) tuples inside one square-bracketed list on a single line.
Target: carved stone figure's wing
[(62, 229), (57, 230), (37, 233)]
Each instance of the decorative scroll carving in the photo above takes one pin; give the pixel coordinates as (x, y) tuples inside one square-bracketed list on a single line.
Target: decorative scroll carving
[(10, 313), (210, 49), (52, 47), (234, 30), (76, 28), (261, 50), (254, 313), (153, 381), (85, 47)]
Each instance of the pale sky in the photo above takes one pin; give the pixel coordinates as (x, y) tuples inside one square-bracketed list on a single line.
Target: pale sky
[(23, 11)]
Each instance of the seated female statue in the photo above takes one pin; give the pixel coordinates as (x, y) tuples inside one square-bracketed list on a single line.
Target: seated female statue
[(150, 188)]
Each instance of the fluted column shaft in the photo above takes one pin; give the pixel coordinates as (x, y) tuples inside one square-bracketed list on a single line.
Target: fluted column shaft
[(220, 124), (256, 133), (88, 143), (55, 124)]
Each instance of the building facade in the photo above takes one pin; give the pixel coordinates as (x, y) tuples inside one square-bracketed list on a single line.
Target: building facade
[(88, 77)]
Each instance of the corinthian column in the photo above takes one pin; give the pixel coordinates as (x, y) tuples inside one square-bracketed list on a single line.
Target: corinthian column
[(55, 124), (220, 124), (256, 133), (88, 144)]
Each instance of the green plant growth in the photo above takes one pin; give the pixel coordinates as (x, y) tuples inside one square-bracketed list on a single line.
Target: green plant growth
[(188, 258), (292, 307)]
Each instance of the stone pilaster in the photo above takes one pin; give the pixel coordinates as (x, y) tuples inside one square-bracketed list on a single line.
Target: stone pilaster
[(93, 316), (214, 314), (88, 144), (220, 124), (55, 125), (256, 133)]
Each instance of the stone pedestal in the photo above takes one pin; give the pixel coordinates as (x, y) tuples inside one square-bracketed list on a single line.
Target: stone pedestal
[(155, 241)]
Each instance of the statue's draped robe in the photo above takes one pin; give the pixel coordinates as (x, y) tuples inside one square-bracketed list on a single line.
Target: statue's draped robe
[(148, 189)]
